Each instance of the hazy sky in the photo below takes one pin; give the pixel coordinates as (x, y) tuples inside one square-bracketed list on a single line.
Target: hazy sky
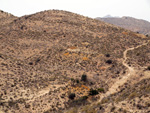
[(91, 8)]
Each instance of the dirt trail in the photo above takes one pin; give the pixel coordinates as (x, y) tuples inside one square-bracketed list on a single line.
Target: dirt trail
[(43, 92), (40, 93), (131, 71)]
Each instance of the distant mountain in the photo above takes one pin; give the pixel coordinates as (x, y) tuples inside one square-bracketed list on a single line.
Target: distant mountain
[(133, 24), (109, 16)]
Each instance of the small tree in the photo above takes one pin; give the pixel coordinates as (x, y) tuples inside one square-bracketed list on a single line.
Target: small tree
[(77, 80), (109, 61), (93, 92), (30, 63), (84, 78), (72, 96), (148, 68), (107, 55)]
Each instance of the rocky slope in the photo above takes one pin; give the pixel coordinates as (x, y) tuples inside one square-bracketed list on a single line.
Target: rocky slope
[(56, 61), (6, 18), (133, 24)]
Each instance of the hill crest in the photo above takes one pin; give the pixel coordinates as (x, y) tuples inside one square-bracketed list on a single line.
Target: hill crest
[(4, 14)]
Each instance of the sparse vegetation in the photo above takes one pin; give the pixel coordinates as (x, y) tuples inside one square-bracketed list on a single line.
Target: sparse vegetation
[(77, 81), (72, 96), (148, 68), (107, 55), (83, 98), (132, 95), (109, 61), (72, 79), (30, 63), (93, 92), (100, 90), (105, 100), (84, 78), (68, 60)]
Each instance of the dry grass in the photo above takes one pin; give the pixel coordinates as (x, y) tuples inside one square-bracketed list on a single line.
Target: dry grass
[(45, 50)]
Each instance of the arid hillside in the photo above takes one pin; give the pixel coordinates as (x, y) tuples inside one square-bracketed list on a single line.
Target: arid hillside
[(57, 61), (133, 24)]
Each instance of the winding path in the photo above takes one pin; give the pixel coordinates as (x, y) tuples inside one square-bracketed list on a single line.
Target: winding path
[(43, 92), (114, 88)]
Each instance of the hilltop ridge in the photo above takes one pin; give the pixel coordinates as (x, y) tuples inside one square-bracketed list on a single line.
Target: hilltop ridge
[(4, 14), (6, 18)]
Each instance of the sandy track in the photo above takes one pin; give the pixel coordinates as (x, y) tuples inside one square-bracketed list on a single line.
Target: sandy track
[(43, 92), (131, 72)]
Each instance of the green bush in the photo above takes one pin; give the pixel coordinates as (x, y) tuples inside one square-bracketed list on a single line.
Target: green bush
[(100, 89), (72, 79), (93, 92), (148, 68), (109, 61), (83, 98), (84, 78), (77, 80), (30, 63), (107, 55), (72, 96)]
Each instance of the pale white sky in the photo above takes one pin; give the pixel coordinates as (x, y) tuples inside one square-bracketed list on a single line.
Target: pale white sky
[(91, 8)]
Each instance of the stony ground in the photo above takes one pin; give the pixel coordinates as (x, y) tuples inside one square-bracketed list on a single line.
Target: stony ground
[(44, 56)]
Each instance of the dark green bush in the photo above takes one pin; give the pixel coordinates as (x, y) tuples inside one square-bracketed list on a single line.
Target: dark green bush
[(72, 96), (72, 79), (93, 92), (77, 80), (84, 78), (109, 61), (83, 98), (30, 63), (107, 55), (100, 89)]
